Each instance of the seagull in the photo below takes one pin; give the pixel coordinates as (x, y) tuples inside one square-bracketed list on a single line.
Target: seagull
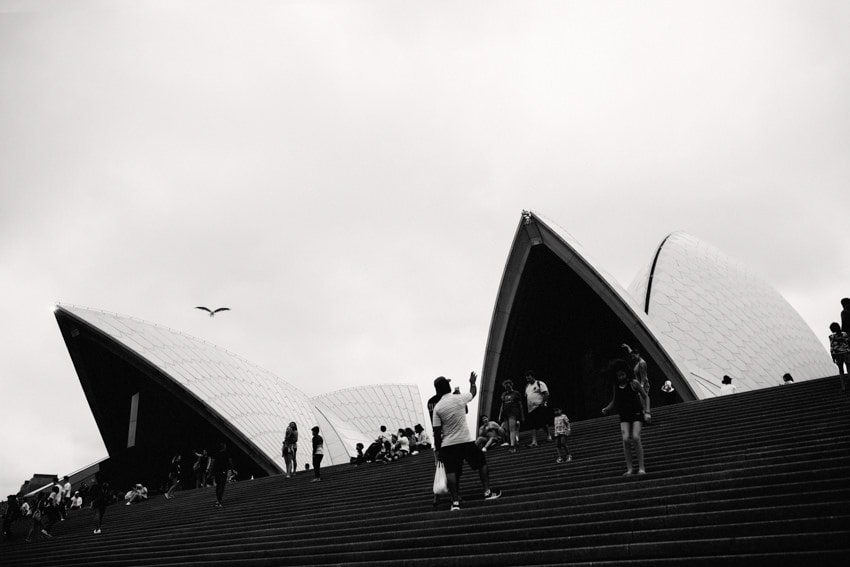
[(212, 312)]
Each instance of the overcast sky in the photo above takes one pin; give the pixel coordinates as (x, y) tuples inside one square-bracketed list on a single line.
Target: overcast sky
[(347, 176)]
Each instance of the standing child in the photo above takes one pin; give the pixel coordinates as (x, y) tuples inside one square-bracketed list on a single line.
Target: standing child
[(562, 431), (318, 453), (839, 346)]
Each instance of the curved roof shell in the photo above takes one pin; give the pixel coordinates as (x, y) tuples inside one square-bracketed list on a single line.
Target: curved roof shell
[(250, 405), (717, 317), (354, 415), (557, 312)]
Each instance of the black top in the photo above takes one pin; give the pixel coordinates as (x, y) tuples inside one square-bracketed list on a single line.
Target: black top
[(98, 494), (627, 402), (222, 462)]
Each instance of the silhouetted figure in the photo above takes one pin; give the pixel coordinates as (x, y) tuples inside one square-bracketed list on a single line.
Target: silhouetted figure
[(174, 476), (839, 348), (318, 453), (12, 513), (222, 464), (201, 468), (99, 493)]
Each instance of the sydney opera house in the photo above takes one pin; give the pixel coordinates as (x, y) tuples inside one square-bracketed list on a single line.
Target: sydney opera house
[(694, 313), (155, 392)]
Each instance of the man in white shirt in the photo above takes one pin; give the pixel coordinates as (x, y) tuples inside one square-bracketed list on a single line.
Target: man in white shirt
[(66, 496), (453, 441), (536, 397), (384, 436)]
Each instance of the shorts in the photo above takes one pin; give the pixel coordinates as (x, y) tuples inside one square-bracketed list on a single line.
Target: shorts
[(538, 418), (631, 418), (512, 410), (453, 456)]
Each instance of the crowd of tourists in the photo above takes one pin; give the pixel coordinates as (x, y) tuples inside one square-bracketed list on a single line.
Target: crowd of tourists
[(453, 443), (45, 506), (388, 447)]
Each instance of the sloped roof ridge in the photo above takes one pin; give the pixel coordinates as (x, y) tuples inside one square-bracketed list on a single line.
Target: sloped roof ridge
[(176, 332), (363, 387)]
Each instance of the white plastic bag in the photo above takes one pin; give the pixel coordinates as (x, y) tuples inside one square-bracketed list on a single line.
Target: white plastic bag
[(441, 487)]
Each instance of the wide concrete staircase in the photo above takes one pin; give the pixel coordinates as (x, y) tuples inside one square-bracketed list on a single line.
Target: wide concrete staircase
[(758, 478)]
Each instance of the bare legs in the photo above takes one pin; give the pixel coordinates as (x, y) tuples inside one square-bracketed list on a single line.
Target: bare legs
[(544, 428), (291, 463), (452, 481), (98, 515), (513, 432), (843, 361), (631, 438)]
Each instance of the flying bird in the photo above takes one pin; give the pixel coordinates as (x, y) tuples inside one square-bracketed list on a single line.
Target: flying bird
[(212, 312)]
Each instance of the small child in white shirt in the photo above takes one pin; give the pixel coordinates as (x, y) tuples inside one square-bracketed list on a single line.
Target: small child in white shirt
[(562, 431)]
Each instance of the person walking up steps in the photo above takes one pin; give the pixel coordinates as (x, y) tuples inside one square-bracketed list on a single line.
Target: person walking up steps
[(318, 453), (99, 498), (221, 465), (453, 441)]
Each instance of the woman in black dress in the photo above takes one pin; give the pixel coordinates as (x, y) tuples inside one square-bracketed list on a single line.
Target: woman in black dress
[(628, 400)]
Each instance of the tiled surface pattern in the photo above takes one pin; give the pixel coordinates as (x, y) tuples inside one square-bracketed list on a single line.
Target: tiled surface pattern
[(256, 402), (356, 414), (716, 317), (253, 400)]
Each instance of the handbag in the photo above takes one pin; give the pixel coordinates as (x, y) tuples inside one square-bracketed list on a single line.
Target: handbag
[(441, 487)]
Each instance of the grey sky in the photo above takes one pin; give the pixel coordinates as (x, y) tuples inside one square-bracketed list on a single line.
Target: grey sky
[(347, 176)]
